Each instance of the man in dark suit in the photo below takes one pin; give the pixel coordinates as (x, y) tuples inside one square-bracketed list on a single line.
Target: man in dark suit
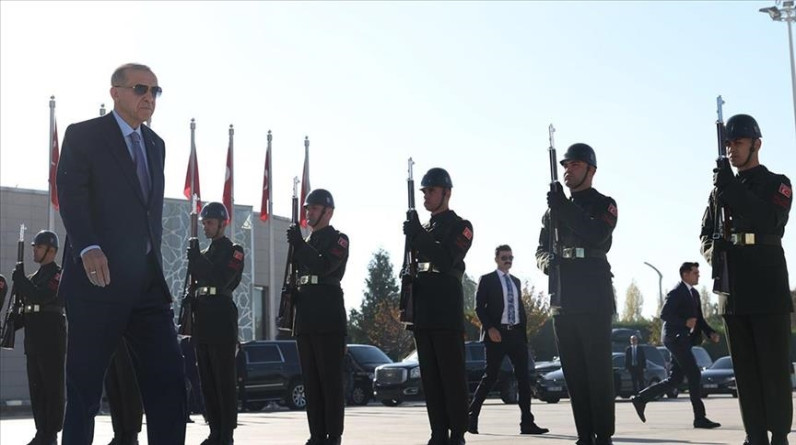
[(498, 303), (124, 398), (635, 363), (683, 326), (110, 188)]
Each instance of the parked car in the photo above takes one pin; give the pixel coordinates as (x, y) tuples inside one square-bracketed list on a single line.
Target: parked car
[(719, 378), (364, 360), (667, 358), (272, 373), (397, 382), (620, 338), (552, 387), (702, 357)]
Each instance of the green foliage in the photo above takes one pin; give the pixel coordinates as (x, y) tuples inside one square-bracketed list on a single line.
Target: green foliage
[(377, 321)]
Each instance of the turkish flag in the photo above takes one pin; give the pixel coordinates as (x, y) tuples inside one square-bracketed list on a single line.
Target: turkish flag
[(54, 167), (192, 179), (264, 214), (228, 182), (305, 182)]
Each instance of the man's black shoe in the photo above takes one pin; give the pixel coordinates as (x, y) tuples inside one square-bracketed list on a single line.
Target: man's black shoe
[(585, 441), (336, 440), (758, 439), (704, 422), (438, 440), (603, 441), (456, 439), (472, 424), (779, 439), (314, 441), (640, 405), (533, 429)]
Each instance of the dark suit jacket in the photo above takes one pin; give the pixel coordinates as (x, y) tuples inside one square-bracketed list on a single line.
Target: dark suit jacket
[(641, 357), (101, 203), (679, 307), (489, 303)]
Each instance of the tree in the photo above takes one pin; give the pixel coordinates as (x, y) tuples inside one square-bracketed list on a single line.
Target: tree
[(634, 301), (472, 325), (537, 309), (377, 321)]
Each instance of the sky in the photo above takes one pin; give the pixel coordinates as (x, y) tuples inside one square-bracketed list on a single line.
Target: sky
[(467, 86)]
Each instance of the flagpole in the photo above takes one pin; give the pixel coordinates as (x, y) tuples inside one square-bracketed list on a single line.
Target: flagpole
[(231, 208), (191, 162), (272, 270), (50, 207)]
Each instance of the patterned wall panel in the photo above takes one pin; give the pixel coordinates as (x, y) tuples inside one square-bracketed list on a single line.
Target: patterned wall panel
[(176, 230)]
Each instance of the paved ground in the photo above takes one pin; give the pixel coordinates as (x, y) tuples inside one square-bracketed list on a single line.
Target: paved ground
[(668, 422)]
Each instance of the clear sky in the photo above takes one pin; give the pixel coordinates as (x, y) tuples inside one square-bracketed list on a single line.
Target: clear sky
[(468, 86)]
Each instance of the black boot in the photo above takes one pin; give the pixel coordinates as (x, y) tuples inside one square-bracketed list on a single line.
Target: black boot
[(472, 424)]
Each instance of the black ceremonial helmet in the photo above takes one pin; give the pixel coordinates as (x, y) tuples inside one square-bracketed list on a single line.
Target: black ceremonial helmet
[(436, 177), (742, 126), (46, 238), (580, 152), (214, 210), (319, 197)]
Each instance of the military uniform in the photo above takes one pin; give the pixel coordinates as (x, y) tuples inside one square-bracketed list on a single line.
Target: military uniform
[(757, 310), (438, 323), (217, 272), (583, 321), (45, 348), (320, 328)]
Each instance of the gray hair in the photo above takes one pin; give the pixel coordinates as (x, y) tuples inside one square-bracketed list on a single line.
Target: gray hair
[(119, 76)]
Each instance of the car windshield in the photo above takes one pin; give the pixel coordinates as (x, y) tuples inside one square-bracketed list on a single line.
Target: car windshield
[(369, 355), (411, 357), (722, 363)]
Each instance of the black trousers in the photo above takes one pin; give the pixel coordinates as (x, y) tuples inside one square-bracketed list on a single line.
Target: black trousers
[(45, 366), (442, 372), (217, 375), (637, 376), (124, 397), (760, 347), (512, 344), (321, 357), (683, 366), (584, 343)]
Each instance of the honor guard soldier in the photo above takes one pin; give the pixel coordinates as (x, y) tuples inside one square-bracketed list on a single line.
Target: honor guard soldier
[(438, 300), (320, 323), (217, 271), (757, 309), (45, 337), (582, 322)]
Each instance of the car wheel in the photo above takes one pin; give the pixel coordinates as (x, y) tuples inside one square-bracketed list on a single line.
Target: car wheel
[(510, 393), (673, 393), (255, 406), (551, 400), (296, 399), (735, 394), (359, 396), (391, 402)]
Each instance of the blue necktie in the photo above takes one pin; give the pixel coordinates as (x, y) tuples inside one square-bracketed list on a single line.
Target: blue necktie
[(140, 165), (510, 293)]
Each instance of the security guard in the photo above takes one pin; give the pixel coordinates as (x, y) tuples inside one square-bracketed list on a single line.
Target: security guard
[(757, 310), (582, 323), (438, 300), (217, 271), (320, 324), (45, 337)]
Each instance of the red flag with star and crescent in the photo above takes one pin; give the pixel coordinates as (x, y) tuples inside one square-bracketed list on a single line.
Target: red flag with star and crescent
[(54, 167), (229, 182), (305, 181)]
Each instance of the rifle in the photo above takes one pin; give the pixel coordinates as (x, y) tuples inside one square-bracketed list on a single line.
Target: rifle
[(553, 268), (721, 216), (13, 318), (189, 287), (285, 321), (409, 268)]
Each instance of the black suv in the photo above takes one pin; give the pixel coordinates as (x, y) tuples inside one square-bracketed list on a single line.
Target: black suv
[(364, 360), (272, 373), (396, 382)]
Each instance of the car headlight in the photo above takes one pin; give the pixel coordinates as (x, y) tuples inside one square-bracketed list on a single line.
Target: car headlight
[(371, 375), (415, 373)]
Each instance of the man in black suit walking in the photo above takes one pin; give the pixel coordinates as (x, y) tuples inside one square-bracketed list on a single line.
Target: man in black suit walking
[(498, 304), (636, 363), (110, 188), (683, 326)]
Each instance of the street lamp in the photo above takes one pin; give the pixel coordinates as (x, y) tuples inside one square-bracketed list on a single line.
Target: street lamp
[(786, 14), (660, 286)]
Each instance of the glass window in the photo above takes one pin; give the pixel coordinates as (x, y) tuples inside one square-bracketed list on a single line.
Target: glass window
[(263, 354)]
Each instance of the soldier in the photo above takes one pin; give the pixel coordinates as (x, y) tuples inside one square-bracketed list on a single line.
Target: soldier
[(320, 324), (45, 337), (217, 271), (583, 321), (438, 300), (757, 310)]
